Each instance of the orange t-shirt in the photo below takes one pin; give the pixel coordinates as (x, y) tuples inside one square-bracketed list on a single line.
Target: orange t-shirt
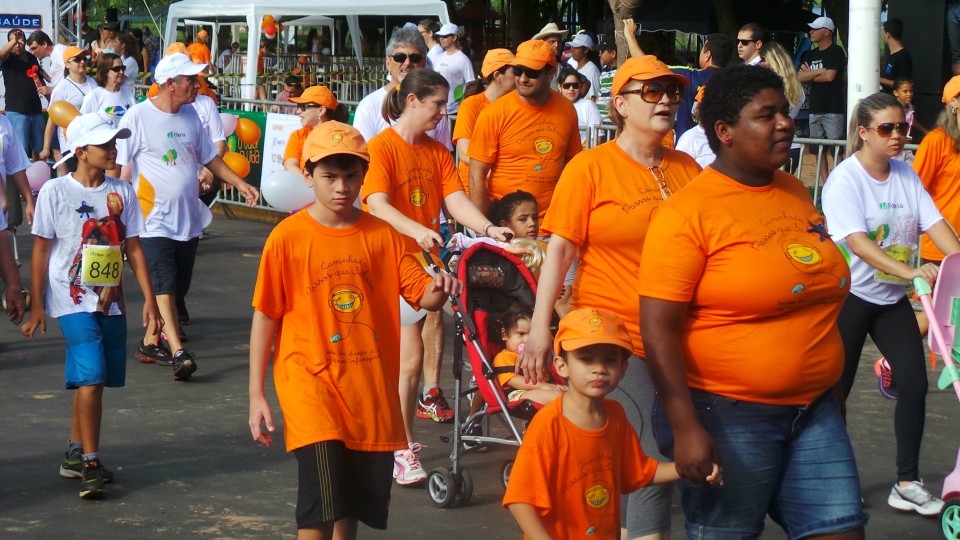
[(938, 165), (294, 147), (603, 204), (463, 129), (505, 358), (527, 146), (574, 477), (337, 352), (415, 177), (199, 53), (764, 284)]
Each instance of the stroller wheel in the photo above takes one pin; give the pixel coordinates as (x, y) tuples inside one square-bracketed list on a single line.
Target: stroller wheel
[(464, 487), (505, 471), (950, 519), (442, 487)]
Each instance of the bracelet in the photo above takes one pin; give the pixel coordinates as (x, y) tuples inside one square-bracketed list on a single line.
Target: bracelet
[(487, 228)]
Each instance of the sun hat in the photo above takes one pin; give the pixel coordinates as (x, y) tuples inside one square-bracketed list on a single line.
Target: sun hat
[(551, 29), (90, 128), (330, 138)]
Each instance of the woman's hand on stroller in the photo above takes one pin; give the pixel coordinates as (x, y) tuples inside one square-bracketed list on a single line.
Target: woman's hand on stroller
[(502, 234), (534, 360), (928, 272), (428, 238)]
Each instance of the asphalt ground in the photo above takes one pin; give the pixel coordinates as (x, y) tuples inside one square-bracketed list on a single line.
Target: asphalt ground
[(186, 466)]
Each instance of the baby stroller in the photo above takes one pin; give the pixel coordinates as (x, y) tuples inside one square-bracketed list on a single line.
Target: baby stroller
[(494, 280)]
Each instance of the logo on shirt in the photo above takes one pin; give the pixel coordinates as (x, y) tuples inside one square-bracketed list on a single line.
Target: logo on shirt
[(418, 197), (116, 111), (890, 205), (803, 254), (170, 158), (175, 135), (597, 496), (543, 145), (345, 302)]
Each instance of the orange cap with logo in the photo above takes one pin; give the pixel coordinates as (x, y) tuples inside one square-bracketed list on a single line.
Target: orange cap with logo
[(951, 90), (644, 68), (494, 60), (331, 138), (319, 94), (535, 54), (589, 326), (72, 52)]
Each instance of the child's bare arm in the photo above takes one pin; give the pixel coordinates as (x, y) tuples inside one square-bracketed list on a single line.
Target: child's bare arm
[(39, 264), (437, 292), (528, 519), (262, 333), (138, 262), (667, 472), (516, 382)]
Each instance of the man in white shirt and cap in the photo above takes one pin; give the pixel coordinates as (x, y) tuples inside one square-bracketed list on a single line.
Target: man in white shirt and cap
[(453, 64)]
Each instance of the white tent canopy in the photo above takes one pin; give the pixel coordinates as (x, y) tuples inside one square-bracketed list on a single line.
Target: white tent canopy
[(251, 12)]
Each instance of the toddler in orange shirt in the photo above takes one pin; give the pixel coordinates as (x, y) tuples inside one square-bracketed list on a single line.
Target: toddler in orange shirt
[(514, 327), (580, 452)]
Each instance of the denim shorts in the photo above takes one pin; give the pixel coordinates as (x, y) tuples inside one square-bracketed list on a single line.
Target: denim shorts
[(794, 463), (29, 129), (96, 349)]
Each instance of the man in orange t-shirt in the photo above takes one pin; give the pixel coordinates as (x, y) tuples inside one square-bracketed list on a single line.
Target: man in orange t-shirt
[(523, 140), (199, 52)]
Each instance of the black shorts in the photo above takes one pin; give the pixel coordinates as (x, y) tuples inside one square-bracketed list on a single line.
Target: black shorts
[(170, 263), (336, 482)]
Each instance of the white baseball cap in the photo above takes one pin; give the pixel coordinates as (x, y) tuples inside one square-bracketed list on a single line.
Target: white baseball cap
[(823, 22), (90, 128), (448, 29), (175, 65), (581, 40)]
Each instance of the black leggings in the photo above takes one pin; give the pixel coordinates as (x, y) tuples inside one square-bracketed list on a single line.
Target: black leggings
[(895, 332)]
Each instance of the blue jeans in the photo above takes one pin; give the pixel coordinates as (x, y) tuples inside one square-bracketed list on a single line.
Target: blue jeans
[(29, 129), (953, 30), (793, 463)]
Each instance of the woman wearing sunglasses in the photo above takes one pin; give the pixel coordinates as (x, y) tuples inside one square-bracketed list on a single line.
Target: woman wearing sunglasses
[(72, 89), (111, 99), (570, 83), (740, 286), (877, 208), (315, 106), (599, 214)]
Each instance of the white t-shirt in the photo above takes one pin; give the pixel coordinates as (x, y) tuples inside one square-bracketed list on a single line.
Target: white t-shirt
[(13, 158), (587, 115), (74, 216), (109, 105), (892, 212), (165, 152), (74, 93), (131, 70), (433, 55), (369, 120), (694, 143), (224, 58), (457, 69), (592, 73), (209, 115), (55, 70)]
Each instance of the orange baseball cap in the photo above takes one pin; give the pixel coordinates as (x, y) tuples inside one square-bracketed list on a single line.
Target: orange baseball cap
[(951, 89), (644, 68), (494, 60), (535, 54), (331, 138), (176, 47), (319, 94), (202, 33), (589, 326), (74, 51)]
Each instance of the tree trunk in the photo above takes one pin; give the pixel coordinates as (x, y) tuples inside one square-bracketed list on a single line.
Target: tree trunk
[(726, 18), (622, 9), (839, 11)]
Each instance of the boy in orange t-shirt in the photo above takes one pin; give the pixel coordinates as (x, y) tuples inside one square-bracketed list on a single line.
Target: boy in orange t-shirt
[(327, 296), (580, 453)]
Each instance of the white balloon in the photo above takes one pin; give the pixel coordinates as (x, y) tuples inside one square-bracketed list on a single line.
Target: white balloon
[(287, 191), (229, 123), (407, 314), (206, 216), (37, 174)]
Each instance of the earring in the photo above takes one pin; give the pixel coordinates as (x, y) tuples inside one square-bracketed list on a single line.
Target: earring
[(726, 140)]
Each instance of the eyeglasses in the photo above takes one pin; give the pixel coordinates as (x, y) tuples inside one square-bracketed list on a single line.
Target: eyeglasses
[(116, 69), (661, 180), (652, 92), (79, 59), (886, 129), (570, 86), (305, 106), (530, 73), (746, 42), (400, 58)]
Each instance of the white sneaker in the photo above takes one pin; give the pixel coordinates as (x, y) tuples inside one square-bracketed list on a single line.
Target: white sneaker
[(406, 466), (914, 498)]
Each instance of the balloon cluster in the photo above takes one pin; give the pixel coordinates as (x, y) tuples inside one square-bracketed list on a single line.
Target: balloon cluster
[(270, 27)]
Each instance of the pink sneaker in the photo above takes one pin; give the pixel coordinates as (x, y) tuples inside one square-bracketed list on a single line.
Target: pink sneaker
[(406, 466), (885, 379)]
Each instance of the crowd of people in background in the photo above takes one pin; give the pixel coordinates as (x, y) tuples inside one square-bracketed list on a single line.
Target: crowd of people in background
[(717, 382)]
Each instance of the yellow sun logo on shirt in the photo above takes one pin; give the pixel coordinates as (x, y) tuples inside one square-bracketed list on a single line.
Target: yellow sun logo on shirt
[(597, 496), (345, 299), (543, 145), (803, 254), (418, 197)]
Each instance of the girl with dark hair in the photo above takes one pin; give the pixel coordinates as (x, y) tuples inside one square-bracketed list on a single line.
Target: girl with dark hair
[(570, 82), (740, 286), (411, 176), (876, 209)]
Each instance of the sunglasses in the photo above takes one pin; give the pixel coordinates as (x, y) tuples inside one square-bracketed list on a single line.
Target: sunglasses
[(530, 73), (886, 129), (400, 58), (79, 59), (653, 92), (570, 86), (116, 69), (657, 173), (305, 106), (746, 42)]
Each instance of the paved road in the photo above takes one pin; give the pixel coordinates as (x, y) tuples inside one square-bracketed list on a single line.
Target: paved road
[(186, 467)]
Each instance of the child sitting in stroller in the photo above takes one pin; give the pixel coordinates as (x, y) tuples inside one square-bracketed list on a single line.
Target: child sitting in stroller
[(514, 327)]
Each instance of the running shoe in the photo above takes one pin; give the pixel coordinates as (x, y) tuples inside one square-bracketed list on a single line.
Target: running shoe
[(184, 365), (406, 466), (92, 484), (154, 354), (72, 466), (914, 498), (885, 379), (434, 407)]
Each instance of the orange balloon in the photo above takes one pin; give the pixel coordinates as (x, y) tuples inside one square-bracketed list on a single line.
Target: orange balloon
[(237, 163), (62, 113), (248, 131), (268, 19)]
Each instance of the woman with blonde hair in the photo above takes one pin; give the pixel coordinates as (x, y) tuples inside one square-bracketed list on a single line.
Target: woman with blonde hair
[(774, 57)]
